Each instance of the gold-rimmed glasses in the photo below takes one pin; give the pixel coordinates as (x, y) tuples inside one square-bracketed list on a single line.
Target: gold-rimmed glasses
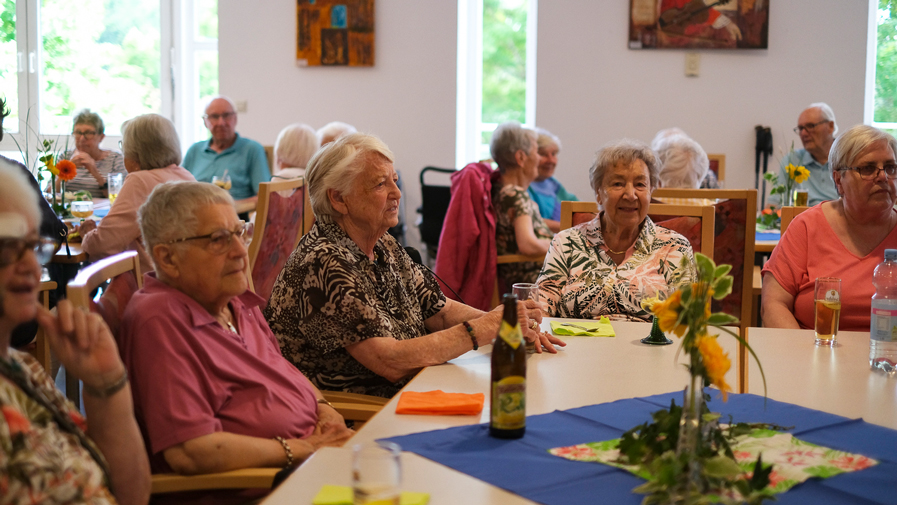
[(220, 240)]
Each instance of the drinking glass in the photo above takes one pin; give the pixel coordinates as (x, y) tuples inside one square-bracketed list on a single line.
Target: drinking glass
[(82, 209), (526, 291), (115, 182), (828, 309), (222, 181), (376, 473), (801, 198)]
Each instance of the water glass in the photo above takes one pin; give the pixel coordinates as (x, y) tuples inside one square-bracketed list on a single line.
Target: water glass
[(526, 291), (827, 300), (376, 473), (115, 182)]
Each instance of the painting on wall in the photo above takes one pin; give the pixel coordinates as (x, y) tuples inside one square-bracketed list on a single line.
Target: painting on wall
[(335, 33), (698, 24)]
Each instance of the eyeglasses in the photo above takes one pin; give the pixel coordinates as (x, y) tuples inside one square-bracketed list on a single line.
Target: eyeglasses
[(870, 172), (808, 127), (87, 135), (215, 117), (13, 249), (220, 241)]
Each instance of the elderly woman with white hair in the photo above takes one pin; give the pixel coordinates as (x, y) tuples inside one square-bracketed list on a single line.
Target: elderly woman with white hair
[(49, 452), (844, 238), (546, 191), (662, 142), (295, 145), (519, 227), (607, 266), (225, 398), (332, 131), (350, 308), (684, 164), (152, 156)]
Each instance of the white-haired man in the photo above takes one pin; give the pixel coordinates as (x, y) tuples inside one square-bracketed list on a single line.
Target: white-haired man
[(243, 159), (817, 128)]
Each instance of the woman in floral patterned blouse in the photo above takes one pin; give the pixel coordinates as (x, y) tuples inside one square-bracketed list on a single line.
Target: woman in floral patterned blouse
[(607, 266), (519, 227), (48, 453), (350, 309)]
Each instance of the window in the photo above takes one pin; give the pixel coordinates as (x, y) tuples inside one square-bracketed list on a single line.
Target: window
[(881, 86), (496, 71), (115, 57)]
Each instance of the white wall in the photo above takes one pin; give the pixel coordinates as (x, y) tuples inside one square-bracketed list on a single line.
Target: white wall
[(591, 88)]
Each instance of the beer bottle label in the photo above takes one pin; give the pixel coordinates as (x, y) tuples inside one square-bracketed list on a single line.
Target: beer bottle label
[(509, 403), (510, 334)]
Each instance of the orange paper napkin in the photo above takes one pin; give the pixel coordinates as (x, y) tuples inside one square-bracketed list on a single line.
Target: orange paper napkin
[(439, 403)]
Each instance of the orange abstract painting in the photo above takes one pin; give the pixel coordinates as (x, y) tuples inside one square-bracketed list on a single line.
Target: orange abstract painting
[(335, 33)]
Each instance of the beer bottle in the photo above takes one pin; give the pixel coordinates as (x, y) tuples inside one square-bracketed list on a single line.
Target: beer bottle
[(508, 400)]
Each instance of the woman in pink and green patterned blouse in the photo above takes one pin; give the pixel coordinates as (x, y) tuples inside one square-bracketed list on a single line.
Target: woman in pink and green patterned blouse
[(607, 266)]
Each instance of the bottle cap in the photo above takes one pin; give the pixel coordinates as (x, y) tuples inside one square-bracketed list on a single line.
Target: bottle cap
[(890, 254)]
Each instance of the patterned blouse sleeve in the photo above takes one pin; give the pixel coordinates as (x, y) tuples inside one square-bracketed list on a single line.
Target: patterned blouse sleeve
[(555, 274)]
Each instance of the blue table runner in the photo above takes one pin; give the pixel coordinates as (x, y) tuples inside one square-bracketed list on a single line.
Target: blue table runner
[(524, 467)]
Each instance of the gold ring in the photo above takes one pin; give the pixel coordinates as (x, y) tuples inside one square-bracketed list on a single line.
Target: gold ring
[(534, 325)]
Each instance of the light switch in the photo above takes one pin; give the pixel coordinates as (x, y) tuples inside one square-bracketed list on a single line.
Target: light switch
[(242, 106), (692, 64)]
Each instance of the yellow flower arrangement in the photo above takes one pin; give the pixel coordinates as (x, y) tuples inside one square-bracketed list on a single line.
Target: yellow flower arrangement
[(716, 362), (797, 173)]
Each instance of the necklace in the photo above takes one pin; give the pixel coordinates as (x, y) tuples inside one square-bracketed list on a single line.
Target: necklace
[(615, 252)]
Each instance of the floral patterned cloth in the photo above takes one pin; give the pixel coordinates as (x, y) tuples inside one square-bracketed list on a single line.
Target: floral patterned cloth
[(793, 460), (512, 201), (39, 462), (580, 280), (331, 295)]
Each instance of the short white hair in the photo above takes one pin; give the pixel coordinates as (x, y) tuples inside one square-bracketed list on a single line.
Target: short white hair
[(545, 138), (334, 130), (151, 141), (337, 165), (17, 193), (666, 133), (507, 139), (209, 100), (683, 162), (827, 113), (295, 145), (170, 211)]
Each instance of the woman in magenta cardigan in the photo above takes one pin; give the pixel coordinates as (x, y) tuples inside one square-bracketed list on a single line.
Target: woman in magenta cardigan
[(152, 156)]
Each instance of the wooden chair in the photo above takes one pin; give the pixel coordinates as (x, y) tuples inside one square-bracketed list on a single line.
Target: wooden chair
[(718, 165), (510, 258), (697, 227), (123, 272), (279, 224), (269, 155), (41, 350), (788, 215), (736, 212)]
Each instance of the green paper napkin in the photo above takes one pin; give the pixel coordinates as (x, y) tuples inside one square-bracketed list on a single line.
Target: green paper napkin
[(342, 495), (599, 328)]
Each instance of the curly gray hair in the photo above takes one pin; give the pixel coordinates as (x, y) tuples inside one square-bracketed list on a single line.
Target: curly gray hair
[(170, 211), (507, 139), (624, 152), (151, 141), (88, 117)]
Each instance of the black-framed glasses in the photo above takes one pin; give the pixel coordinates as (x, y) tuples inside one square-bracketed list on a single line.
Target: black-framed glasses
[(13, 249), (870, 172), (216, 117), (809, 127), (220, 240), (87, 135)]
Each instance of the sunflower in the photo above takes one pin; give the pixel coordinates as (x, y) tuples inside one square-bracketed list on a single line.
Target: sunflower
[(716, 362), (50, 164), (67, 170), (801, 174)]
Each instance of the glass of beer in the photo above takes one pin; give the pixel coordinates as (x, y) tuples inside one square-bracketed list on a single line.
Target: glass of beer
[(82, 209), (222, 182), (376, 473), (828, 309), (115, 182), (801, 198), (526, 291)]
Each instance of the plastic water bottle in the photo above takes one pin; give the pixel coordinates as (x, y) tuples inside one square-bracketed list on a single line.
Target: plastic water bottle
[(883, 341)]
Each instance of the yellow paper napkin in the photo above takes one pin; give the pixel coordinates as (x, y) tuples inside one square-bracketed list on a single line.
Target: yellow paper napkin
[(599, 328), (342, 495)]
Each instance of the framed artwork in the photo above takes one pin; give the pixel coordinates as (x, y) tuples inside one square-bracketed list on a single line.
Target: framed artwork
[(335, 33), (698, 24)]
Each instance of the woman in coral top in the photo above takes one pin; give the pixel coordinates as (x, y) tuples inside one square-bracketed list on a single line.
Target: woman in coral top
[(843, 238)]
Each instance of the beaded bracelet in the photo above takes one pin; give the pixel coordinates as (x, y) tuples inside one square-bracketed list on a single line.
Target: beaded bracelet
[(110, 390), (473, 336), (287, 450)]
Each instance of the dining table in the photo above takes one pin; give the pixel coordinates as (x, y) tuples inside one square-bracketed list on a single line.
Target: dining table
[(70, 252), (614, 382)]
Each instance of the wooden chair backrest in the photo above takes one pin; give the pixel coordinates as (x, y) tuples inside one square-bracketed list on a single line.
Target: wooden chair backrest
[(41, 344), (788, 215), (123, 272), (718, 165), (279, 224), (269, 155), (573, 213)]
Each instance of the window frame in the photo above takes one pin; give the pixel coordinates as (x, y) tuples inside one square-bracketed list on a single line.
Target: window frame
[(871, 61)]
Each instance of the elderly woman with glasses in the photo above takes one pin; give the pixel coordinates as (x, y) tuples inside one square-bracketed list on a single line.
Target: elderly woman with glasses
[(152, 156), (49, 453), (350, 308), (94, 164), (211, 389), (844, 238)]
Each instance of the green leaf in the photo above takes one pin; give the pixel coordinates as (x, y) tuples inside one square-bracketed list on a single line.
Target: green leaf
[(705, 266), (723, 287), (722, 467), (721, 270), (760, 479), (721, 319)]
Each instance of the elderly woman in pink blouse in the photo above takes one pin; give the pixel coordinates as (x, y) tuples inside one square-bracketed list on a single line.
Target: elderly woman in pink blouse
[(152, 156)]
